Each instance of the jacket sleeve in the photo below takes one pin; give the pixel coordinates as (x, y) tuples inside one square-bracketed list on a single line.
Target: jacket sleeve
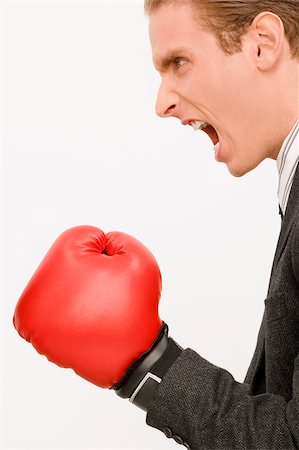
[(201, 406)]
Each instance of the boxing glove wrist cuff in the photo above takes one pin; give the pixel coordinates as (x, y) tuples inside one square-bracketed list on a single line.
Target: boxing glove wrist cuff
[(135, 373), (144, 376), (144, 393)]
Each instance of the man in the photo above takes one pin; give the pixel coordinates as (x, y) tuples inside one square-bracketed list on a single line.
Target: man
[(232, 69), (235, 66)]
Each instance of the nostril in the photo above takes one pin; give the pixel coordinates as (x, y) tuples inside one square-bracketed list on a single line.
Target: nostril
[(168, 110)]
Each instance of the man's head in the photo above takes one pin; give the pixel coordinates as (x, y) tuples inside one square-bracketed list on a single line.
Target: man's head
[(233, 64)]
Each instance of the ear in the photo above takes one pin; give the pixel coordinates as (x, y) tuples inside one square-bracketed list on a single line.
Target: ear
[(268, 40)]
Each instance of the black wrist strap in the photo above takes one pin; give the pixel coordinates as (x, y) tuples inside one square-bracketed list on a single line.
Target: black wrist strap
[(145, 374), (135, 373), (144, 393)]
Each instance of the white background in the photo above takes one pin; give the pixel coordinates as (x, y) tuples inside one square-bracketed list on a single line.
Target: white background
[(81, 145)]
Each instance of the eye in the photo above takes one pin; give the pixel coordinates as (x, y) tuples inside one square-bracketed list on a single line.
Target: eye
[(179, 61)]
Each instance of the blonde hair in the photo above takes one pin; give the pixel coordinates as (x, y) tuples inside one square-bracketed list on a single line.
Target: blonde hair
[(230, 19)]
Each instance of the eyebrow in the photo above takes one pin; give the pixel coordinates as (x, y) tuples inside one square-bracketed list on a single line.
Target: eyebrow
[(169, 57)]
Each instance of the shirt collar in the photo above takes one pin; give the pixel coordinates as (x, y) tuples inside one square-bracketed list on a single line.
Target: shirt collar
[(287, 161)]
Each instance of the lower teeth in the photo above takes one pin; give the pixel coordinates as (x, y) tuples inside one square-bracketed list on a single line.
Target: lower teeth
[(216, 147)]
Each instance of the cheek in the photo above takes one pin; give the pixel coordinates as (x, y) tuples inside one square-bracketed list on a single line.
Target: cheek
[(225, 80), (225, 85), (220, 86), (209, 91), (209, 86)]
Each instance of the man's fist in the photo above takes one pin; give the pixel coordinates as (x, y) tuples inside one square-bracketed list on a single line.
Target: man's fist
[(92, 304)]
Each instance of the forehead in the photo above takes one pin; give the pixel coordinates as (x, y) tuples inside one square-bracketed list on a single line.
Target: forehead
[(173, 30)]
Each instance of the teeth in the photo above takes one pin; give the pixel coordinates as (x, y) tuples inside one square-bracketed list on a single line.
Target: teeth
[(197, 125), (216, 147)]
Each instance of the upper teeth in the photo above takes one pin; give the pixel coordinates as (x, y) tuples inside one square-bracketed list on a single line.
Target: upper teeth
[(197, 125)]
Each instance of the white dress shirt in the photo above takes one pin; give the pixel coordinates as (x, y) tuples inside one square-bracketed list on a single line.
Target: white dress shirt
[(287, 161)]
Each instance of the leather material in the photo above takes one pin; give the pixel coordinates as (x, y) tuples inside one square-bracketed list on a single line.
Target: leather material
[(92, 304)]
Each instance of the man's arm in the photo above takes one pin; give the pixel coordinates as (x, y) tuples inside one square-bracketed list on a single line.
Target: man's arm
[(203, 406)]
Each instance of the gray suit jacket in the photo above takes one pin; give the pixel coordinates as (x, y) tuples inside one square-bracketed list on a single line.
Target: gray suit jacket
[(201, 406)]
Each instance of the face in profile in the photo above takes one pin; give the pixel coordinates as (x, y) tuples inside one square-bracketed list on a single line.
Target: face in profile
[(200, 85)]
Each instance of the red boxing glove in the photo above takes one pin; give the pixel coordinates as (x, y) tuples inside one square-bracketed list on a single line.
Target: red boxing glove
[(92, 305)]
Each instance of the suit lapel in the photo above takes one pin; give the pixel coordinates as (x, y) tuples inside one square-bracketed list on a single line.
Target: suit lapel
[(291, 213)]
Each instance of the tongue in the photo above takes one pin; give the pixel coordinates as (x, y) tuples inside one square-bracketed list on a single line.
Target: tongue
[(211, 132)]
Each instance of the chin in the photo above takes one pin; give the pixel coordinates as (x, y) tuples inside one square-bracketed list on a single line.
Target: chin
[(239, 171)]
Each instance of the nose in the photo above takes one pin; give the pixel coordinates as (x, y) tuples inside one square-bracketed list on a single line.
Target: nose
[(167, 102)]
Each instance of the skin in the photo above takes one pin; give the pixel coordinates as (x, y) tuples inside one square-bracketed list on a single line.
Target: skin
[(251, 97)]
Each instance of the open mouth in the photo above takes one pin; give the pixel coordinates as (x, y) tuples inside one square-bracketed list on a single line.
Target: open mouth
[(207, 128), (212, 133)]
